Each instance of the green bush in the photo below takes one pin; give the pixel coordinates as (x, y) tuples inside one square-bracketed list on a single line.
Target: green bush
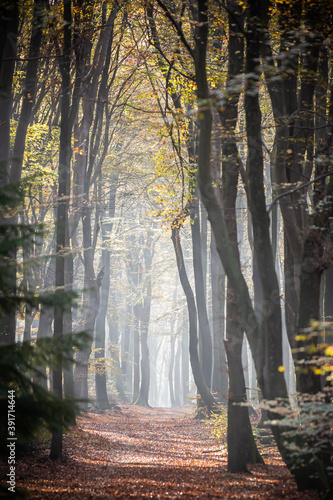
[(218, 422)]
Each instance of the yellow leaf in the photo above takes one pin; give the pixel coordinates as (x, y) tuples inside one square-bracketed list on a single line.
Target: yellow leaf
[(329, 350), (281, 369)]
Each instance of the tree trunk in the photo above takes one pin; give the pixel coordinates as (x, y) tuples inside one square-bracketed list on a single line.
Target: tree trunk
[(9, 20), (272, 383), (204, 328), (177, 376), (100, 374), (136, 354), (144, 323), (270, 379), (185, 358), (145, 362), (125, 349), (220, 369), (315, 259), (45, 320), (328, 294), (62, 212), (170, 371), (69, 392), (203, 390), (114, 339), (242, 448), (91, 307), (30, 88)]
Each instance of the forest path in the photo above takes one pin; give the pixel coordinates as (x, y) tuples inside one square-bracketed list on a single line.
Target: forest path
[(148, 453)]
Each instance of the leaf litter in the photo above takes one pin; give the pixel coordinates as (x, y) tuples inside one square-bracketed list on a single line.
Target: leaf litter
[(148, 453)]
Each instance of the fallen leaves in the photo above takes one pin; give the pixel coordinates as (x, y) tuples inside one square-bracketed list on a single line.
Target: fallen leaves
[(149, 453)]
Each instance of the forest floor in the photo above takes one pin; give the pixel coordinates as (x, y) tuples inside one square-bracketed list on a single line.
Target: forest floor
[(148, 453)]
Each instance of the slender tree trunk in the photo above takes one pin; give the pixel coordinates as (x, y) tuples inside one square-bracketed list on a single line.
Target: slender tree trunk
[(185, 358), (145, 361), (205, 335), (30, 88), (46, 317), (29, 92), (291, 290), (177, 376), (220, 369), (328, 294), (242, 448), (9, 20), (148, 252), (203, 390), (170, 371), (62, 212), (125, 349), (136, 355), (91, 301), (204, 236), (100, 374), (114, 339), (27, 286), (69, 392)]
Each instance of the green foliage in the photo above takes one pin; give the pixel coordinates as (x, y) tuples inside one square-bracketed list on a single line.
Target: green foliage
[(307, 431), (34, 405), (101, 364), (218, 422), (41, 155)]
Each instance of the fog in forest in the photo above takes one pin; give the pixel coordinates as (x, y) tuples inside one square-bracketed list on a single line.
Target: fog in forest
[(166, 222)]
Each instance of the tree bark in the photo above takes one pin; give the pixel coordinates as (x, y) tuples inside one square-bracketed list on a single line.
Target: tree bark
[(171, 371), (205, 335), (125, 349), (203, 390), (148, 252), (270, 379), (185, 358), (30, 87), (136, 355), (9, 20), (62, 211), (100, 376), (242, 448), (220, 369)]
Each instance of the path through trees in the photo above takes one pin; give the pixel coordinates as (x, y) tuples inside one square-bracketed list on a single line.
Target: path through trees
[(149, 453)]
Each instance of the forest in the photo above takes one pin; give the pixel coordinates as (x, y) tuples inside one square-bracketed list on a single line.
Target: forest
[(166, 248)]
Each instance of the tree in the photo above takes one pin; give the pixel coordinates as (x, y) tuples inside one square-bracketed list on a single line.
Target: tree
[(62, 210)]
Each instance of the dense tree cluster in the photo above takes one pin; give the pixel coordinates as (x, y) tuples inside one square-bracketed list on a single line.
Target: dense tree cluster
[(123, 123)]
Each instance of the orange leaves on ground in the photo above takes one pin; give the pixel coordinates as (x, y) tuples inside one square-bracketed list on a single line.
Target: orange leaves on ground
[(148, 453)]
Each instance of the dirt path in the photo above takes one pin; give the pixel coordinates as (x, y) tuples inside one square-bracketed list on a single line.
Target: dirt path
[(148, 453)]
